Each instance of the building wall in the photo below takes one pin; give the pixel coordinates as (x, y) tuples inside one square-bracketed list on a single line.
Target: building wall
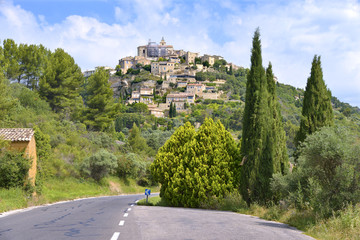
[(29, 149), (190, 57)]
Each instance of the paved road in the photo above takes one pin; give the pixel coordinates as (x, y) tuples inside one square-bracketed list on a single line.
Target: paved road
[(115, 218), (159, 223), (94, 218)]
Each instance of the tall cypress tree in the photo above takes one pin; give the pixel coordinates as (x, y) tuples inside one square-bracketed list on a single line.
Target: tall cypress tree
[(276, 141), (317, 110), (254, 126)]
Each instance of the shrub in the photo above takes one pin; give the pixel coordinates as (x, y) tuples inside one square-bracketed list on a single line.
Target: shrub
[(13, 169), (327, 176), (99, 164)]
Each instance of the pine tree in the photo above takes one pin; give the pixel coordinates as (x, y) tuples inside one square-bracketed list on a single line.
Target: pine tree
[(317, 110), (171, 110), (100, 107), (254, 125), (60, 83)]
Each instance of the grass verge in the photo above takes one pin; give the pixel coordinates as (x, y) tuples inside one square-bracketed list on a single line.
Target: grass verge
[(55, 190)]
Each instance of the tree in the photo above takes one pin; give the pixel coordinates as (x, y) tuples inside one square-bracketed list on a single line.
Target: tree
[(118, 70), (6, 102), (193, 167), (136, 141), (278, 134), (99, 102), (317, 110), (206, 64), (60, 84), (255, 123), (11, 60), (172, 110)]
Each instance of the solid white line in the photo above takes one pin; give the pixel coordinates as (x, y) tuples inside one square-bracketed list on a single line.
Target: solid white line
[(115, 236), (121, 223), (129, 209), (126, 214)]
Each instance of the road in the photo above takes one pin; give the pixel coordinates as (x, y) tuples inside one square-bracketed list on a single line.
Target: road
[(116, 217)]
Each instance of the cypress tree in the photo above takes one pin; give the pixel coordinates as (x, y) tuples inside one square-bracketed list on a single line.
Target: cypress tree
[(317, 110), (274, 158), (255, 123)]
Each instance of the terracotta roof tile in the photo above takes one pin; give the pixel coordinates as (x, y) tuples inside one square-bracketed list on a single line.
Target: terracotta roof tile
[(16, 134)]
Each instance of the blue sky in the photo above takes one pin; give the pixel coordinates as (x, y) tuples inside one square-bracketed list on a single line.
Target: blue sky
[(100, 32)]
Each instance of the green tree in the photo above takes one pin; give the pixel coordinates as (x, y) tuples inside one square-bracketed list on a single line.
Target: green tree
[(60, 84), (193, 167), (317, 110), (206, 64), (137, 142), (6, 101), (277, 132), (255, 124), (10, 61), (100, 108)]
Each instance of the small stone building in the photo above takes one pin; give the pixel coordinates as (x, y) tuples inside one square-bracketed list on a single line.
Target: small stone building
[(22, 139)]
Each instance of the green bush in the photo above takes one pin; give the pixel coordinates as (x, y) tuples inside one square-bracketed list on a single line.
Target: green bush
[(13, 169), (327, 176), (99, 165)]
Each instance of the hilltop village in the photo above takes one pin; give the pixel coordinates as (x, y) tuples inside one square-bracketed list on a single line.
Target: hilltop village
[(161, 72)]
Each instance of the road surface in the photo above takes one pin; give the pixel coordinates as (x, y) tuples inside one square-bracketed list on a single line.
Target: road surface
[(116, 217)]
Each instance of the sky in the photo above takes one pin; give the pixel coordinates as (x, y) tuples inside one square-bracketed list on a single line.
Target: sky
[(100, 32)]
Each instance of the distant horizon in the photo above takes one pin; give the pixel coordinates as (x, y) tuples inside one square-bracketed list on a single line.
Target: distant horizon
[(100, 32)]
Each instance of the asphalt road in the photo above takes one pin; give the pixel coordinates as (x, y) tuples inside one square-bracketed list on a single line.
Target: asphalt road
[(116, 217), (94, 218)]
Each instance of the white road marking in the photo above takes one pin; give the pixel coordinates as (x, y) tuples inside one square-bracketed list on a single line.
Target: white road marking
[(121, 223), (132, 205), (115, 236), (126, 214), (129, 209)]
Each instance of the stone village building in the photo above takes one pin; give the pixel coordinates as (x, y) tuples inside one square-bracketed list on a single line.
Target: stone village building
[(22, 139)]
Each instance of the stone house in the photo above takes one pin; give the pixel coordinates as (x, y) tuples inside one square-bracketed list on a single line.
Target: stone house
[(195, 88), (190, 57), (22, 139), (162, 68)]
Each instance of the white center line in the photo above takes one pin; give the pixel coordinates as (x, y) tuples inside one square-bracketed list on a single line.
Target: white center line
[(129, 209), (121, 223), (126, 214), (115, 236)]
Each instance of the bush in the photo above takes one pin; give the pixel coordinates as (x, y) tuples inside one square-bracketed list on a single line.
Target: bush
[(99, 165), (327, 176), (13, 169)]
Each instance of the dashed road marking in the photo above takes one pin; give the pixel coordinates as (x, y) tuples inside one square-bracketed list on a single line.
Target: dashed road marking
[(132, 205), (129, 209), (121, 223), (126, 214), (115, 236)]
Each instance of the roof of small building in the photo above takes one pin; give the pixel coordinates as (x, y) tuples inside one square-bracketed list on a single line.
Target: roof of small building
[(17, 134)]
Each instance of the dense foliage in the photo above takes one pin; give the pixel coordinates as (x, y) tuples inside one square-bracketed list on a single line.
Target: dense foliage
[(327, 176), (317, 110), (13, 169), (263, 140), (193, 166)]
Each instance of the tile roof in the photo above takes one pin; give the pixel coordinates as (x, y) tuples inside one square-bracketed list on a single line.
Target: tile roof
[(16, 134)]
